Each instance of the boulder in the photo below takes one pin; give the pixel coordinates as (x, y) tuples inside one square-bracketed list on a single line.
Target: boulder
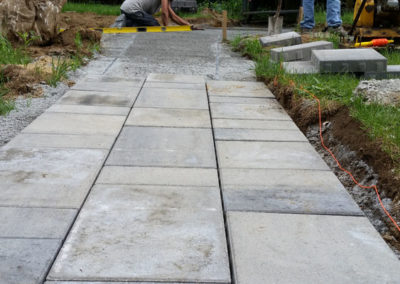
[(38, 16)]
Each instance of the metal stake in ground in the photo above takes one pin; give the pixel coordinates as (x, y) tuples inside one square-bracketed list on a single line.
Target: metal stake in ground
[(275, 23)]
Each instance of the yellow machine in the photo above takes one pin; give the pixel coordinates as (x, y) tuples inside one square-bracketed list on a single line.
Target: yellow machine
[(376, 19)]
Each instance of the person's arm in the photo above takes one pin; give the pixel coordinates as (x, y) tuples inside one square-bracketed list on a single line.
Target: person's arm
[(165, 11), (176, 18)]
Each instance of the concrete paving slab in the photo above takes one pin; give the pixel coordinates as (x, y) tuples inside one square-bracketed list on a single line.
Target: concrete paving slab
[(283, 39), (176, 78), (270, 111), (159, 176), (26, 260), (106, 83), (269, 155), (238, 88), (300, 67), (169, 117), (125, 240), (165, 147), (171, 85), (98, 98), (296, 248), (258, 135), (29, 140), (172, 98), (349, 60), (393, 70), (47, 177), (42, 223), (238, 100), (71, 123), (86, 109), (254, 124), (300, 52)]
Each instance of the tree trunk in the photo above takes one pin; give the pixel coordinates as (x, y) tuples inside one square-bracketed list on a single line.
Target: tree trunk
[(37, 16)]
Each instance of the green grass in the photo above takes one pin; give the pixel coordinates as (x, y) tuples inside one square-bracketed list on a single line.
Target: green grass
[(381, 122), (393, 56), (100, 9), (5, 105), (11, 55), (320, 16)]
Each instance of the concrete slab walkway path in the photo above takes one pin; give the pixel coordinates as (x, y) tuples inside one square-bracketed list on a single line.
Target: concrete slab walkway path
[(177, 179)]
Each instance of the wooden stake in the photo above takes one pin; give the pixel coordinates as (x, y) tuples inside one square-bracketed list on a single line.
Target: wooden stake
[(224, 25), (300, 16)]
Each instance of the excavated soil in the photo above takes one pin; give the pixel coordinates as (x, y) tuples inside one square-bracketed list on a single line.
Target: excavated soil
[(356, 152)]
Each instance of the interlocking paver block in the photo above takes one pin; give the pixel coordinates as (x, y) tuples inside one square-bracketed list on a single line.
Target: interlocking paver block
[(147, 233), (98, 98), (88, 109), (253, 124), (300, 67), (176, 78), (296, 248), (359, 60), (108, 84), (300, 52), (173, 85), (284, 39), (258, 135), (270, 111), (238, 100), (238, 89)]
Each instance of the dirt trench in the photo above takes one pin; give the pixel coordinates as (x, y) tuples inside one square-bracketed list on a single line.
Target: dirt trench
[(356, 152)]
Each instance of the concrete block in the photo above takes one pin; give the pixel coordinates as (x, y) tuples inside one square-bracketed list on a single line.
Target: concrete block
[(169, 117), (36, 140), (269, 155), (71, 123), (393, 70), (47, 177), (86, 109), (284, 39), (296, 248), (98, 98), (259, 135), (349, 60), (253, 124), (172, 85), (159, 176), (300, 52), (238, 88), (165, 147), (175, 78), (49, 223), (107, 83), (238, 100), (26, 260), (270, 111), (286, 191), (300, 67), (172, 98), (121, 233)]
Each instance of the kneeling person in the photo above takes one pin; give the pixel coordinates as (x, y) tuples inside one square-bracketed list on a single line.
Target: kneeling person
[(139, 13)]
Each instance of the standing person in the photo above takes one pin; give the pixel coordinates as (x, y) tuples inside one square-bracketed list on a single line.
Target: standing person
[(333, 17), (139, 13)]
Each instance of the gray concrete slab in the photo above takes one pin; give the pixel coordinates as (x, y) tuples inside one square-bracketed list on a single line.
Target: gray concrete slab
[(169, 147), (159, 176), (270, 111), (300, 52), (126, 240), (176, 78), (295, 248), (172, 98), (238, 100), (269, 155), (88, 109), (169, 117), (286, 191), (172, 85), (107, 83), (258, 135), (359, 60), (238, 88), (393, 70), (254, 124), (49, 223), (71, 123), (29, 140), (47, 177), (26, 260), (283, 39), (98, 98), (300, 67)]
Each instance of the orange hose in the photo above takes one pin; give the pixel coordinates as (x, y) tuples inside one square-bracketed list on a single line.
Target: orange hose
[(340, 166)]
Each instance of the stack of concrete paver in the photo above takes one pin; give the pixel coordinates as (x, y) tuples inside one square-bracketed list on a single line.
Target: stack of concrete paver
[(320, 57), (289, 218)]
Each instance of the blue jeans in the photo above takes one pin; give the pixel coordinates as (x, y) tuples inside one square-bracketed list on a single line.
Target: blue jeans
[(140, 19), (332, 14)]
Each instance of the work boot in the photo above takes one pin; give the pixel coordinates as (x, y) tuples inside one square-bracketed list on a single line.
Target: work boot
[(339, 30), (306, 30)]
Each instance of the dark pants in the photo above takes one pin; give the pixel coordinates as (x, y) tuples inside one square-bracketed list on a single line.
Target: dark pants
[(140, 19)]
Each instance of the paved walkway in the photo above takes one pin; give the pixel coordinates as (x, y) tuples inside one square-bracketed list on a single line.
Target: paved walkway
[(177, 179)]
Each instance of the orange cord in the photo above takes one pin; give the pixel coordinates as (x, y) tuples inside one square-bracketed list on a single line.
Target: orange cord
[(340, 166)]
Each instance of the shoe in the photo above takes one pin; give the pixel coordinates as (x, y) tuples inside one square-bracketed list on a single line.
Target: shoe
[(339, 30), (306, 30)]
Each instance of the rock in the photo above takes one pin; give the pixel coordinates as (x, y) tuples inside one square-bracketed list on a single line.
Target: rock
[(386, 92), (38, 16)]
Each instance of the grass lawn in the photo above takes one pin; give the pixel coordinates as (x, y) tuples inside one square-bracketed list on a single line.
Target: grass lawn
[(93, 8), (381, 122)]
